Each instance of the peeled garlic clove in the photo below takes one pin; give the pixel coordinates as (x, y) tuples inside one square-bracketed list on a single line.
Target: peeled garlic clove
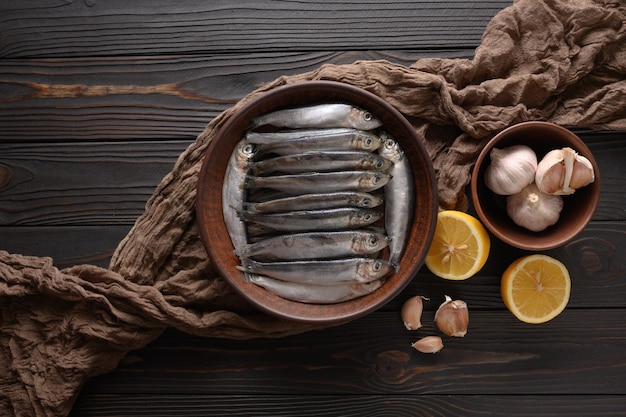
[(428, 344), (511, 169), (452, 317), (412, 312), (563, 171), (533, 209)]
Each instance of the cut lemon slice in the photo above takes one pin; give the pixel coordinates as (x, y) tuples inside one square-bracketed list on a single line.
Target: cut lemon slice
[(460, 246), (536, 288)]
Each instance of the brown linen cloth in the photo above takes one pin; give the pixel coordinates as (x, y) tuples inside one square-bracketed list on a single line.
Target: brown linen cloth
[(562, 61)]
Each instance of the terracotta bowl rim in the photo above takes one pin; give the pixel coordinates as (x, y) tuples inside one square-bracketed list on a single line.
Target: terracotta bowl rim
[(409, 264)]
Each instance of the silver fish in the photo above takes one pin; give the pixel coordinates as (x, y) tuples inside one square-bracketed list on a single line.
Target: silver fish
[(322, 272), (315, 245), (316, 201), (315, 294), (315, 220), (399, 199), (321, 182), (321, 161), (286, 135), (232, 192), (321, 115), (330, 140)]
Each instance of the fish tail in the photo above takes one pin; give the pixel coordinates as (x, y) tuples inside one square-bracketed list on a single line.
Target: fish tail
[(250, 207), (246, 265), (249, 182), (242, 252)]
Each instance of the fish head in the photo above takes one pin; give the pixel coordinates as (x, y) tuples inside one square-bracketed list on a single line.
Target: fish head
[(363, 119), (244, 153), (367, 141), (390, 149), (368, 201), (372, 269), (366, 216), (369, 242), (374, 180)]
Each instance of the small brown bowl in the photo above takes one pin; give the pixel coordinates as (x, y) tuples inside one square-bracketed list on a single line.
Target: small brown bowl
[(213, 229), (578, 208)]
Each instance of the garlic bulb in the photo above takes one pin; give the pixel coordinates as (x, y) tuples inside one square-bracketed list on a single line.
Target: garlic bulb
[(563, 171), (511, 169), (533, 209)]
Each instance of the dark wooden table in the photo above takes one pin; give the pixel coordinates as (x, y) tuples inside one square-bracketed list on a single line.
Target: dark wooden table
[(97, 100)]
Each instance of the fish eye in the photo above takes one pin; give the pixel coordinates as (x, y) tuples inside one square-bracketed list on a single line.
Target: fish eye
[(249, 148), (389, 143), (366, 202), (379, 164), (377, 265), (367, 116), (377, 178), (373, 240), (367, 217), (368, 142)]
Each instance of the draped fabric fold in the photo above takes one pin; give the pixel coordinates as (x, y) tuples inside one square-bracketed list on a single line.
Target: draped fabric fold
[(557, 60)]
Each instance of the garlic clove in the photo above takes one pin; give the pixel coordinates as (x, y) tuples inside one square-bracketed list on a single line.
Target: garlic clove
[(533, 209), (412, 312), (511, 169), (428, 344), (563, 171), (583, 173), (452, 317)]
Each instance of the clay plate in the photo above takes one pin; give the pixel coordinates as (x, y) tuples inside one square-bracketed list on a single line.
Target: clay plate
[(215, 235)]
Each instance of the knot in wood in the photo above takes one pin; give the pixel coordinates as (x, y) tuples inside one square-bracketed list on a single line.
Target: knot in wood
[(5, 176), (392, 365)]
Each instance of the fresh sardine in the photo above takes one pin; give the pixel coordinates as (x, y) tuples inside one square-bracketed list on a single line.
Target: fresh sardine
[(329, 140), (286, 135), (314, 294), (316, 201), (322, 272), (233, 194), (315, 220), (319, 116), (321, 182), (315, 245), (321, 161), (399, 199)]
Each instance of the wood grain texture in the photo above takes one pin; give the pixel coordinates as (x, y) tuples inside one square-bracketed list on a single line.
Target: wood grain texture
[(148, 98), (98, 99), (70, 183), (373, 355), (67, 245), (595, 259), (348, 405), (81, 183), (39, 28)]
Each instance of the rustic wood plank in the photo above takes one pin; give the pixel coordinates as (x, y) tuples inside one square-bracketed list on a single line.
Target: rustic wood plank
[(348, 405), (146, 98), (579, 352), (81, 183), (595, 260), (109, 182), (67, 245), (40, 28)]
